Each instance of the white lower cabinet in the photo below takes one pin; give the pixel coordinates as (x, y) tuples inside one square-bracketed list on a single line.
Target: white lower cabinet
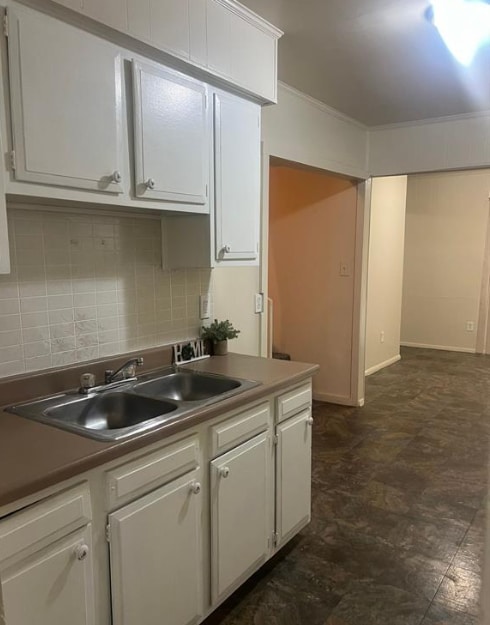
[(46, 574), (293, 475), (156, 559), (53, 586), (239, 514)]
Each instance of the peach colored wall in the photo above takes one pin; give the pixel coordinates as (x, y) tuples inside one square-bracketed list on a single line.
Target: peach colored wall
[(312, 231)]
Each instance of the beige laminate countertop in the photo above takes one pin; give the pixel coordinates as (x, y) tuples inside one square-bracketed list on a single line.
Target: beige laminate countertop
[(34, 456)]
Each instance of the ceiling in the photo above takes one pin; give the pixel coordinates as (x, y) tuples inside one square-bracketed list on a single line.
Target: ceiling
[(377, 61)]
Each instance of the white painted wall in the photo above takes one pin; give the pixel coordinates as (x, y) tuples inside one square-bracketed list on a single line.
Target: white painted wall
[(446, 229), (303, 130), (234, 289), (461, 142), (385, 272)]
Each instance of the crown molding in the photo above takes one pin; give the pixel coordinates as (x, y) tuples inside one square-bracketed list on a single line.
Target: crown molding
[(433, 120)]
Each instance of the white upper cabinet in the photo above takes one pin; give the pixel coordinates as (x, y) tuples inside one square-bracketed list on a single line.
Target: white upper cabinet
[(220, 36), (237, 177), (66, 104), (171, 125)]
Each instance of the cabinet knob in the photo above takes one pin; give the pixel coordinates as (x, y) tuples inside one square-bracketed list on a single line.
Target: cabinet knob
[(81, 552), (309, 420), (224, 472), (196, 488), (116, 177), (150, 183), (227, 249)]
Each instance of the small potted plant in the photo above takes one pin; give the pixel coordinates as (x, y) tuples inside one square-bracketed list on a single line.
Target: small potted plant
[(218, 333)]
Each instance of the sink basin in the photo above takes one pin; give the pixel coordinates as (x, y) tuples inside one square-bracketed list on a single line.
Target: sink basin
[(184, 386), (132, 407), (110, 411)]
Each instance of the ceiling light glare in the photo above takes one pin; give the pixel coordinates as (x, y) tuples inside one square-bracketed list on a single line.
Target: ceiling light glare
[(464, 25)]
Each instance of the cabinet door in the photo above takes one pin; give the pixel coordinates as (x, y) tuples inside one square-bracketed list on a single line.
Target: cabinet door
[(239, 514), (156, 561), (51, 587), (171, 137), (293, 475), (237, 175), (65, 104)]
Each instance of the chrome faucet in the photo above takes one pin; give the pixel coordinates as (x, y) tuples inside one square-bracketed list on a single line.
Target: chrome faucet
[(127, 371)]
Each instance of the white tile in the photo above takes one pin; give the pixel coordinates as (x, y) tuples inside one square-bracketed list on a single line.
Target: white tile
[(106, 297), (33, 350), (87, 353), (64, 358), (12, 368), (57, 256), (62, 330), (84, 299), (87, 340), (55, 227), (28, 226), (107, 323), (104, 243), (11, 354), (31, 272), (9, 306), (108, 310), (56, 241), (32, 289), (63, 345), (33, 304), (59, 287), (33, 320), (39, 363), (9, 290), (64, 315), (109, 349), (109, 336), (86, 327), (55, 302), (58, 272), (10, 338), (85, 313), (34, 335), (28, 242), (9, 322)]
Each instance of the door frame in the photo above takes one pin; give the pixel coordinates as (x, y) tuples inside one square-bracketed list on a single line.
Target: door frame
[(357, 382)]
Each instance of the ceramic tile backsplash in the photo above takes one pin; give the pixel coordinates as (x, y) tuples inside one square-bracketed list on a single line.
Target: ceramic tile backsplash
[(88, 286)]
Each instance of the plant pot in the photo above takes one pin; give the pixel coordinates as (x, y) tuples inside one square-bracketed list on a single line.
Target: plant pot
[(220, 348)]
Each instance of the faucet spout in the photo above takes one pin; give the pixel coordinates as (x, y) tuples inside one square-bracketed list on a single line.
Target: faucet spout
[(123, 371)]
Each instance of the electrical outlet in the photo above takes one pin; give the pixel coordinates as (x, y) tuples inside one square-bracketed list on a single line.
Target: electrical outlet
[(205, 306), (259, 303), (344, 270), (470, 326)]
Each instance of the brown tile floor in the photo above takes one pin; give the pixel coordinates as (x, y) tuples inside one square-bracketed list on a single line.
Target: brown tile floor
[(398, 515)]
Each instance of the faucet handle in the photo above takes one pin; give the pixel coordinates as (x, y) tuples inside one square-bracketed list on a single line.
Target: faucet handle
[(139, 362), (108, 373), (87, 381)]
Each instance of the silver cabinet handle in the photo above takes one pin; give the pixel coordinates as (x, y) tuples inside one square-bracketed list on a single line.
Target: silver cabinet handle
[(81, 552), (150, 183), (227, 249), (196, 488), (224, 472), (309, 420), (116, 177)]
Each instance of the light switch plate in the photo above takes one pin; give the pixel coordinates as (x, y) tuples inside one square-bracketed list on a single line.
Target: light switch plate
[(259, 303), (205, 306)]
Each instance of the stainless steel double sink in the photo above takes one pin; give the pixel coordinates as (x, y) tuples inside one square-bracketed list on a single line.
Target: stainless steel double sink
[(132, 408)]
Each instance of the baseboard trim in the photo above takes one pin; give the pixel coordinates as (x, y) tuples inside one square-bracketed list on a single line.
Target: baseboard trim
[(382, 365), (342, 400), (444, 348)]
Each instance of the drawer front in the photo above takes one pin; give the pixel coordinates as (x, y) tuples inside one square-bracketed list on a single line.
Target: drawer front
[(146, 473), (239, 428), (293, 402), (45, 522)]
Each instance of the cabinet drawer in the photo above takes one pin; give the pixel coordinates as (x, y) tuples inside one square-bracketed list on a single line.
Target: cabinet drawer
[(152, 470), (239, 429), (296, 400), (45, 522)]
